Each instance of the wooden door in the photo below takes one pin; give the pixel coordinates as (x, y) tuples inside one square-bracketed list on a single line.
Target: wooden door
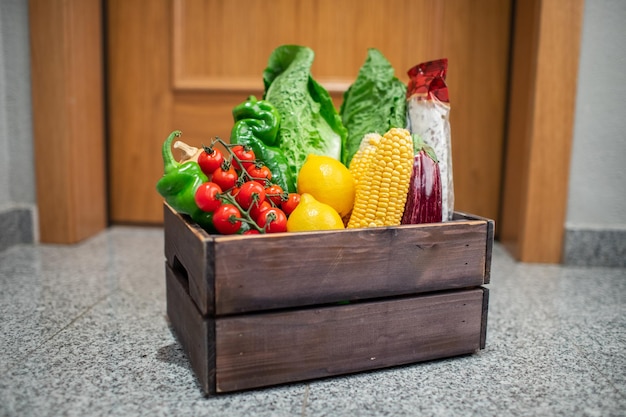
[(184, 64)]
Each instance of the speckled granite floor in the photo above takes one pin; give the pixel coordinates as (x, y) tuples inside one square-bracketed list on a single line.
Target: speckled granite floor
[(83, 332)]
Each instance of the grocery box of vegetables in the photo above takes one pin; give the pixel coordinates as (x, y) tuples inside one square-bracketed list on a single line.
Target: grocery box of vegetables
[(318, 241)]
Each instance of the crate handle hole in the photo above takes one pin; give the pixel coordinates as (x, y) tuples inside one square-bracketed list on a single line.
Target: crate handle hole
[(181, 273)]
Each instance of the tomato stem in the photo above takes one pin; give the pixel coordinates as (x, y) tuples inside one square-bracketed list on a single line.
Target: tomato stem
[(244, 175), (246, 218)]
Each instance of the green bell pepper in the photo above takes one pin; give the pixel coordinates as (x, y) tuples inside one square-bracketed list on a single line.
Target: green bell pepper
[(256, 126), (179, 183)]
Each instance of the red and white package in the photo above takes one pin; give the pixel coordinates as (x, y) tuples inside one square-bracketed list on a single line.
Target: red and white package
[(428, 111)]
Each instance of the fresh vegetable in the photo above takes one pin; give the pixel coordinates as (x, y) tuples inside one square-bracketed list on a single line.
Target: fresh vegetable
[(259, 208), (228, 200), (275, 193), (207, 157), (225, 176), (296, 163), (207, 196), (256, 126), (272, 220), (423, 204), (290, 204), (245, 154), (260, 173), (210, 160), (227, 219), (179, 183), (251, 192), (374, 103), (310, 123), (382, 170)]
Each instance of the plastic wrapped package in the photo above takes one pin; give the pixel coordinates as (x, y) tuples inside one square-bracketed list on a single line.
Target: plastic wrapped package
[(428, 111)]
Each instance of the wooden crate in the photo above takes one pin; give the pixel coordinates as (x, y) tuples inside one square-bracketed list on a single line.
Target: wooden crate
[(253, 311)]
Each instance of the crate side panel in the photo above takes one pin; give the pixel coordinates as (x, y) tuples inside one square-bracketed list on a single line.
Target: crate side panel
[(483, 331), (302, 269), (491, 230), (190, 253), (195, 333), (490, 237), (274, 348)]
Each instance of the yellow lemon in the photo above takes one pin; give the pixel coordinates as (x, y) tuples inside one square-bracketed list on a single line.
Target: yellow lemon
[(311, 214), (328, 181)]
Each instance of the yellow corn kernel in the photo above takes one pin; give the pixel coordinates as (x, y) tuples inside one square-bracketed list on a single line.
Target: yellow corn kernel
[(382, 171), (368, 146)]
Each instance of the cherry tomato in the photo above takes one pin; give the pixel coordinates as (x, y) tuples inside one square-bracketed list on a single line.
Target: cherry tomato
[(259, 173), (207, 196), (289, 205), (225, 219), (250, 192), (275, 193), (244, 153), (252, 232), (226, 178), (210, 160), (273, 220), (257, 209)]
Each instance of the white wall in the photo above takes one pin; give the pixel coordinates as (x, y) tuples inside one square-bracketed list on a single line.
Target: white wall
[(597, 189), (17, 177), (595, 227)]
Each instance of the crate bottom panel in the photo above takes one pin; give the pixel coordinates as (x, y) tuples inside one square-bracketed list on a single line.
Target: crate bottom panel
[(240, 352)]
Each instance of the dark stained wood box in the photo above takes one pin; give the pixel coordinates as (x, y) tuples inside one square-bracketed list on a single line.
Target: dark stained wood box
[(253, 311)]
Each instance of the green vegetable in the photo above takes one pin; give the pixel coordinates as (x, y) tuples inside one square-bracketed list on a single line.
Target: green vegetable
[(256, 126), (179, 183), (310, 123), (374, 103)]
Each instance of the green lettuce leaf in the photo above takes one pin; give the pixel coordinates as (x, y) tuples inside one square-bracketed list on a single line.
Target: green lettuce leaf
[(310, 123), (374, 103)]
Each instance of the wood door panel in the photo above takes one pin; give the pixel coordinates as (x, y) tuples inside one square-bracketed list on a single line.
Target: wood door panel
[(184, 64), (139, 103), (339, 32), (68, 118)]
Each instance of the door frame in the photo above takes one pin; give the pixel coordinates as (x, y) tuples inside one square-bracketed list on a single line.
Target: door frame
[(67, 58)]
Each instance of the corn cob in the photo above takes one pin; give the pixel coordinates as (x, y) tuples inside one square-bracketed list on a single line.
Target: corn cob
[(369, 145), (382, 171)]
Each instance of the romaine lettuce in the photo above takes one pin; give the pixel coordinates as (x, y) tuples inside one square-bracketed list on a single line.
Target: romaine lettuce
[(310, 123), (374, 103)]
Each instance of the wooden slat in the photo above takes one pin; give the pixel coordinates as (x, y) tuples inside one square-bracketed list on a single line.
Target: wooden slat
[(541, 114), (266, 349), (320, 267), (190, 252), (234, 274), (490, 237), (195, 333), (68, 97), (483, 329)]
